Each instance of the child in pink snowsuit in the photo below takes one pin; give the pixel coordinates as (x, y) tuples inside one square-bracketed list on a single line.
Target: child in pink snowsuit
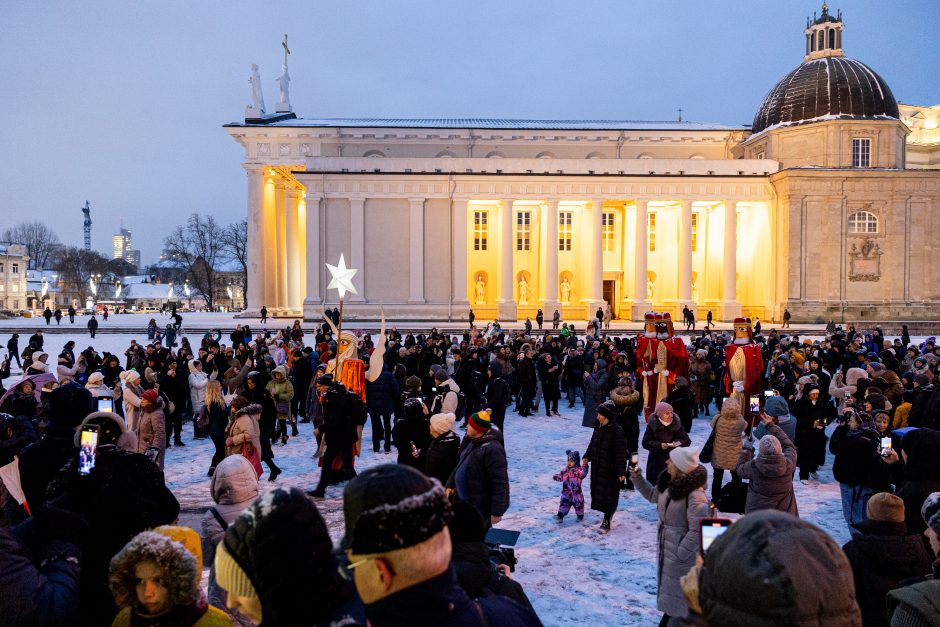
[(571, 493)]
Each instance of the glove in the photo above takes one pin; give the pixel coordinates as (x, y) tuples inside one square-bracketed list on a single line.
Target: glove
[(665, 373)]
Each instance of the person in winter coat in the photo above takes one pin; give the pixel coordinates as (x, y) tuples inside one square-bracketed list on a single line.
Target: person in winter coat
[(858, 465), (279, 551), (549, 371), (381, 395), (411, 436), (131, 395), (242, 427), (155, 580), (812, 416), (776, 407), (256, 394), (682, 401), (443, 447), (96, 386), (770, 474), (198, 380), (470, 559), (663, 433), (234, 486), (607, 451), (22, 402), (68, 368), (595, 392), (151, 426), (339, 431), (728, 426), (700, 371), (282, 391), (526, 379), (498, 394), (921, 474), (796, 574), (214, 418), (679, 496), (629, 404), (571, 493), (16, 433), (882, 555), (480, 476)]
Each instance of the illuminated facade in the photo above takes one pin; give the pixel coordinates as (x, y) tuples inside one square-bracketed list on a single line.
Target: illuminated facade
[(822, 206)]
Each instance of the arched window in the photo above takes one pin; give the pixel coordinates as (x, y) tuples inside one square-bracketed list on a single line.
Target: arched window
[(445, 154), (822, 40), (832, 38), (494, 155), (374, 153), (863, 222), (545, 155)]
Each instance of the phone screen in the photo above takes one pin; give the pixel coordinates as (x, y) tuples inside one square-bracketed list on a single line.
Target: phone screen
[(754, 405), (886, 445), (152, 453), (105, 404), (711, 529), (769, 393), (88, 449)]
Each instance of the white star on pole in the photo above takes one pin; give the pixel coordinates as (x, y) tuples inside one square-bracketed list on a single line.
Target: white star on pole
[(342, 278)]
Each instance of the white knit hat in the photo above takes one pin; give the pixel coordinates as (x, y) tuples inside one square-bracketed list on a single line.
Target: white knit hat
[(685, 458), (442, 423)]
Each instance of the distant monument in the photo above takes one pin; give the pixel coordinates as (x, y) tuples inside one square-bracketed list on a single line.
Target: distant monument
[(256, 108)]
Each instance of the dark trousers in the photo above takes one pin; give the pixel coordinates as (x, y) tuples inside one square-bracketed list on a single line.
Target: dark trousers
[(329, 457), (526, 395), (281, 429), (174, 427), (72, 318), (219, 455), (718, 475), (574, 390), (551, 406), (381, 430), (15, 355), (92, 333)]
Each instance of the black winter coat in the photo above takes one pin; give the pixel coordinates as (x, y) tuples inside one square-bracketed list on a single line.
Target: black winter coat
[(481, 477), (41, 461), (881, 557), (654, 437), (382, 393), (550, 388), (479, 578), (442, 456), (412, 431), (525, 374), (810, 442), (857, 462), (24, 434), (339, 423), (607, 454), (498, 398)]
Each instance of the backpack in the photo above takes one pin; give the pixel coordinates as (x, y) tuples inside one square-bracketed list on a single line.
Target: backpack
[(461, 410)]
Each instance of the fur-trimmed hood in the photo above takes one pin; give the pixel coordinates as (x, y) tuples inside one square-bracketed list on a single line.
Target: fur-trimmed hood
[(179, 566), (683, 486), (251, 410)]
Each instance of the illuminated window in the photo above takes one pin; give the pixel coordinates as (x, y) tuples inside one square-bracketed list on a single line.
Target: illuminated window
[(863, 222), (694, 232), (861, 152), (523, 229), (564, 230), (651, 231), (2, 286), (607, 231), (480, 229)]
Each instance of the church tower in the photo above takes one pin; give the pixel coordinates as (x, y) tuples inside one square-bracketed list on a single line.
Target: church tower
[(824, 35)]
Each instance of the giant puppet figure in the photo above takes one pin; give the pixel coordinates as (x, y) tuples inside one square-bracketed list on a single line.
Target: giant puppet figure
[(744, 366), (661, 357)]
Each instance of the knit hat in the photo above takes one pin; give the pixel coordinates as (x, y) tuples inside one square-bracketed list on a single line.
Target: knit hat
[(95, 378), (413, 383), (69, 404), (440, 375), (392, 507), (442, 423), (607, 409), (776, 406), (413, 407), (188, 538), (685, 458), (111, 430), (769, 446), (662, 408), (230, 576), (886, 507), (574, 456), (480, 421), (150, 396), (930, 511), (130, 376)]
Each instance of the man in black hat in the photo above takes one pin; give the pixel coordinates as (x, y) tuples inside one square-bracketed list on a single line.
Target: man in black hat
[(340, 419), (399, 549)]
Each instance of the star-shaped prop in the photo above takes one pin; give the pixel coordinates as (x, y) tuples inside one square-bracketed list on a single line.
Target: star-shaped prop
[(342, 278)]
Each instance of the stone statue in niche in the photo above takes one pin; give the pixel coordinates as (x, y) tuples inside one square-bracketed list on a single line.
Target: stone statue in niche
[(523, 291), (565, 291), (649, 289), (865, 263), (481, 290), (256, 108)]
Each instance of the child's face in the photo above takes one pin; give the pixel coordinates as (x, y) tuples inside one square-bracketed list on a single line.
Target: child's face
[(570, 463), (151, 588)]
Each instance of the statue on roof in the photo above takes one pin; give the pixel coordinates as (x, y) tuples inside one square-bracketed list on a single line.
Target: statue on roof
[(256, 108), (283, 104)]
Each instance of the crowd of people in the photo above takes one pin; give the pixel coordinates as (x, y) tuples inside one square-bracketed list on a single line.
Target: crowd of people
[(413, 553)]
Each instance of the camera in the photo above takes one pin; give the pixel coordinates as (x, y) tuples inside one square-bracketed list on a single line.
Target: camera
[(500, 543)]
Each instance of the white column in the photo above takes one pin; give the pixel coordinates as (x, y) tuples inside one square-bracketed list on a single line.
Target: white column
[(280, 225), (269, 213), (313, 297), (730, 307), (595, 283), (255, 244), (293, 249), (357, 248), (416, 254), (550, 250), (641, 303), (685, 253), (459, 256), (507, 301)]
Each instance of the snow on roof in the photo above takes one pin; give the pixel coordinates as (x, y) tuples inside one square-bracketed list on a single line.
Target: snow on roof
[(135, 279), (495, 123)]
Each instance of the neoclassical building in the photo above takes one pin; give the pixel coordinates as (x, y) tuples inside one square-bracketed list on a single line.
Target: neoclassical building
[(828, 204)]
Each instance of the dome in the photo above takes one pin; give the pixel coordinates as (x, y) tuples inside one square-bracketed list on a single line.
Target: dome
[(828, 88)]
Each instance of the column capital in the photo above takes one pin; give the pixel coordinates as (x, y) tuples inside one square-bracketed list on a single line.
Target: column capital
[(550, 202), (357, 201), (417, 201)]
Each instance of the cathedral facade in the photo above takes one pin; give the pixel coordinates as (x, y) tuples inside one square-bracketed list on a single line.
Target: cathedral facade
[(828, 205)]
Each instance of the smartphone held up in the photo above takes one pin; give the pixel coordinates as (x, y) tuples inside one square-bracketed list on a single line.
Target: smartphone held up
[(710, 530), (88, 449)]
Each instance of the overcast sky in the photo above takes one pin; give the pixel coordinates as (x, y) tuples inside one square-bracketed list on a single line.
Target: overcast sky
[(122, 103)]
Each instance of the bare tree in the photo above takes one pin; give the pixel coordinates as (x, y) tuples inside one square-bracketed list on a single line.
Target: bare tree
[(235, 238), (198, 244), (38, 238), (75, 266)]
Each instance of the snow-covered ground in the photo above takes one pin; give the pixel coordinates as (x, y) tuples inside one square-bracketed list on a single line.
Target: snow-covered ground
[(571, 572)]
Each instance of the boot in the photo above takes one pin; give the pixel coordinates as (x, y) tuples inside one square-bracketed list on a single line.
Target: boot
[(178, 442), (275, 471), (605, 526)]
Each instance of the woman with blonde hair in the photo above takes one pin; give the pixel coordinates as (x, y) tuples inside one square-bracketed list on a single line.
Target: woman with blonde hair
[(214, 416)]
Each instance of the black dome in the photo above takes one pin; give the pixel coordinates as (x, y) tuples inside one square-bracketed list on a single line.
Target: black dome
[(826, 88)]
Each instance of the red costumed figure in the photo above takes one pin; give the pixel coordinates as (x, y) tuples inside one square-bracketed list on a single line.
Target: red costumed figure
[(646, 350), (660, 359), (744, 367)]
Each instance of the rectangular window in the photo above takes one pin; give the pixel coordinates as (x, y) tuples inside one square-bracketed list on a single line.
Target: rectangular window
[(523, 229), (1, 266), (861, 152), (651, 231), (480, 229), (564, 230), (16, 268), (607, 231), (760, 155), (694, 232)]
